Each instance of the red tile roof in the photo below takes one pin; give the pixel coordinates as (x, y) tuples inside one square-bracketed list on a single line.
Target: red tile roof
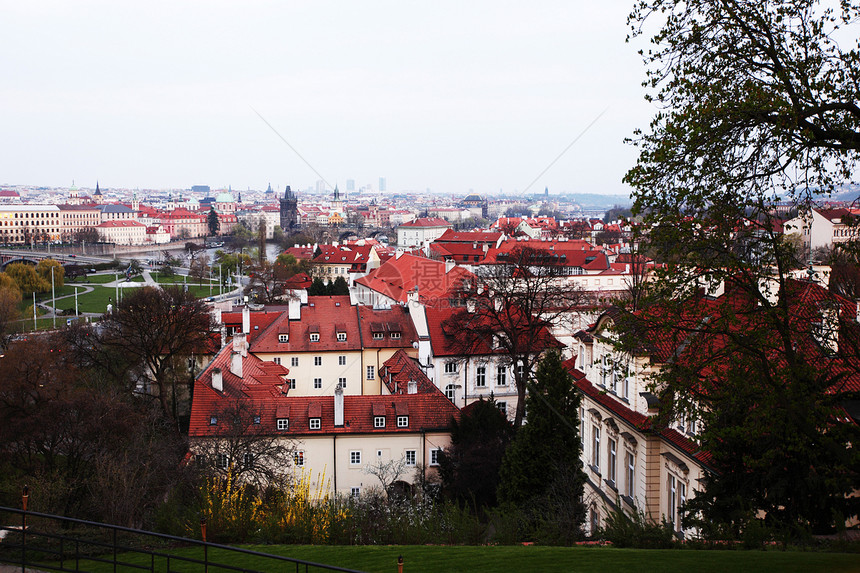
[(428, 410), (395, 325), (452, 236), (322, 315), (427, 222), (399, 370), (397, 277)]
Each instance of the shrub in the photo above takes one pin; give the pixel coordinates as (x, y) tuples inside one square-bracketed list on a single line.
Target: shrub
[(636, 531)]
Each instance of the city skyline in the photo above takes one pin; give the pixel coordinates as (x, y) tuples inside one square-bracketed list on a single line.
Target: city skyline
[(482, 97)]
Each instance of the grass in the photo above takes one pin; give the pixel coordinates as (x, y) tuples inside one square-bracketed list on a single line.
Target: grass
[(478, 559)]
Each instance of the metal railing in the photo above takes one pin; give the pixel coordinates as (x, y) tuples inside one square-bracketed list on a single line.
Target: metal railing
[(54, 543)]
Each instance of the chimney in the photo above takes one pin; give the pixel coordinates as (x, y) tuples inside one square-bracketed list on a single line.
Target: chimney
[(857, 311), (223, 336), (294, 308), (217, 316), (449, 265), (240, 343), (217, 380), (397, 254), (412, 387), (246, 319), (236, 364), (338, 406)]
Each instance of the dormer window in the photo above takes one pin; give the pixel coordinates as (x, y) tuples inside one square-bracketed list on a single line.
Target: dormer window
[(213, 420), (402, 421), (283, 424), (341, 337), (377, 336), (379, 421), (395, 335), (315, 336), (314, 423), (283, 338)]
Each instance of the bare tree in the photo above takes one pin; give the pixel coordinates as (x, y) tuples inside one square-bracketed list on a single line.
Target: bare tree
[(243, 449), (510, 308), (155, 327), (388, 473)]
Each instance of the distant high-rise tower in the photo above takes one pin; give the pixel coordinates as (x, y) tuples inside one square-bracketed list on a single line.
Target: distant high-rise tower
[(382, 184), (269, 190), (546, 191), (350, 184), (289, 211)]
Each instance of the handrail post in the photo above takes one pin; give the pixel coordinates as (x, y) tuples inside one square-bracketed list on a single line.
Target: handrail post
[(205, 545), (25, 497)]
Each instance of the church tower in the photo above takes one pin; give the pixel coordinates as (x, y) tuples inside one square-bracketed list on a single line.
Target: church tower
[(289, 211)]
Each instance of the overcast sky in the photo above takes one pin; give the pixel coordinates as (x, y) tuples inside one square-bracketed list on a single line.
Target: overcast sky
[(446, 95)]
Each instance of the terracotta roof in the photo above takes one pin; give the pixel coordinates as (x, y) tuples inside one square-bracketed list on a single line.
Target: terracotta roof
[(427, 222), (399, 370), (399, 276), (260, 320), (395, 325), (319, 316), (429, 410)]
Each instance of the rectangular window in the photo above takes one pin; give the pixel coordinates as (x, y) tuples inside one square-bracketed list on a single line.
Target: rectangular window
[(283, 424), (503, 407), (248, 459), (283, 338), (355, 457), (213, 420), (377, 335), (611, 460), (501, 376), (341, 337), (379, 421), (342, 382), (341, 360), (221, 461), (450, 368), (481, 377), (402, 421), (371, 372), (299, 458), (410, 457), (395, 335), (672, 493), (315, 336), (595, 448), (291, 383), (294, 361), (257, 419), (682, 499), (276, 359), (317, 360), (317, 383), (631, 474), (314, 423), (434, 456), (355, 492)]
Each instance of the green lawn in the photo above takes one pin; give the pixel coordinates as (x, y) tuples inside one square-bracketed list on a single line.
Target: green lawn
[(471, 559)]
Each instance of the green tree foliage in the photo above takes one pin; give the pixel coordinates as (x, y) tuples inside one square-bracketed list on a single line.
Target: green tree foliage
[(10, 298), (213, 223), (317, 288), (758, 105), (27, 279), (337, 287), (44, 270), (542, 467), (470, 466)]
